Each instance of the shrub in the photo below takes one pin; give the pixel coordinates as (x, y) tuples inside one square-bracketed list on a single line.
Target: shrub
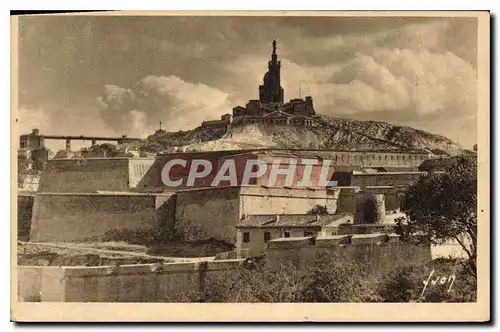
[(318, 209)]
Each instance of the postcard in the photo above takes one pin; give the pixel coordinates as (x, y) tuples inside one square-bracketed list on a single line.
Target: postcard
[(251, 166)]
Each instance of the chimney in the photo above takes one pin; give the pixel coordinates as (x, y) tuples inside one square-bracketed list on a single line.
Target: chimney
[(277, 217), (317, 217)]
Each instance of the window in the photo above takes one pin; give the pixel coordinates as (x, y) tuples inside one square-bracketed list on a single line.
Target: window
[(308, 233), (267, 236), (287, 234), (246, 237)]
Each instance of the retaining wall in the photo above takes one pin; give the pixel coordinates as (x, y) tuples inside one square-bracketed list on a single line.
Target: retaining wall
[(24, 212), (378, 251), (81, 217), (171, 282), (91, 175)]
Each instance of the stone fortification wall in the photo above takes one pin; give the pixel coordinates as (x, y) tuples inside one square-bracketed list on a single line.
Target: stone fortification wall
[(80, 217), (214, 212), (208, 213), (170, 282), (24, 211), (269, 200), (379, 251), (85, 175), (385, 179)]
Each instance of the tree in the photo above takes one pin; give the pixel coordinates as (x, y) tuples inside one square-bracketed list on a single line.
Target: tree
[(441, 207), (318, 209)]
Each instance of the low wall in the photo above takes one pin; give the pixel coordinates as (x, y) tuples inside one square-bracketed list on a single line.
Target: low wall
[(171, 282), (82, 217), (379, 252)]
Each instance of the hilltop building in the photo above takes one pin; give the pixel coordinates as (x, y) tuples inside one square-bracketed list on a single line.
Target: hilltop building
[(270, 107)]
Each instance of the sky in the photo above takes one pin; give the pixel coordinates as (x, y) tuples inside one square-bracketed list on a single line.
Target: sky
[(113, 76)]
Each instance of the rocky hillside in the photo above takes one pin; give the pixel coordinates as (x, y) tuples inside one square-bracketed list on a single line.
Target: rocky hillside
[(331, 133)]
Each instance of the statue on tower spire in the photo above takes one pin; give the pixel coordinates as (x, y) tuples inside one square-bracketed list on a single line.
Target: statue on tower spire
[(271, 91)]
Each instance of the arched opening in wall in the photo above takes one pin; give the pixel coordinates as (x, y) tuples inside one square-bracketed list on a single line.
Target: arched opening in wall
[(343, 178), (401, 201), (379, 157), (370, 211), (385, 157)]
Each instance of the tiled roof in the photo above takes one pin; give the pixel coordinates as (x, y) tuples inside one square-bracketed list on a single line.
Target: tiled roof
[(291, 220)]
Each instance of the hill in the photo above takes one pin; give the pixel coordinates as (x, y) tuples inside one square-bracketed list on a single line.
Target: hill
[(331, 133)]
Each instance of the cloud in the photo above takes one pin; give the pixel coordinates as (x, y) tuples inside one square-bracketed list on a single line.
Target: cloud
[(31, 118), (176, 103), (406, 76), (409, 71)]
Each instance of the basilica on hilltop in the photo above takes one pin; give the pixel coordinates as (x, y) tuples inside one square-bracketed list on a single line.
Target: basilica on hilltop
[(270, 107)]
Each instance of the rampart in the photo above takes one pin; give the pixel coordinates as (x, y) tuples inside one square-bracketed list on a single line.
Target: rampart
[(385, 179), (214, 212), (208, 213), (93, 174), (272, 200), (24, 212), (378, 251), (80, 217), (170, 282)]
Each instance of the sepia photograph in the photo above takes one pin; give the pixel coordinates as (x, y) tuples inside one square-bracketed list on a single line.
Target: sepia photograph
[(329, 161)]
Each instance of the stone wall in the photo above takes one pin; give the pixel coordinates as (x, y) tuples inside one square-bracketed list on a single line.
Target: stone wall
[(257, 246), (170, 282), (214, 212), (28, 182), (208, 213), (385, 179), (264, 200), (137, 170), (85, 175), (378, 251), (392, 195), (347, 199), (80, 217), (341, 161), (24, 212)]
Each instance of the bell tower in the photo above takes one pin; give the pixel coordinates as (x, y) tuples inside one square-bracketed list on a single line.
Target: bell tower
[(271, 91)]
